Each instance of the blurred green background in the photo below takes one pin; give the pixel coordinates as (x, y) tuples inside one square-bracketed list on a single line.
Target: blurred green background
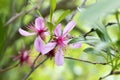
[(19, 13)]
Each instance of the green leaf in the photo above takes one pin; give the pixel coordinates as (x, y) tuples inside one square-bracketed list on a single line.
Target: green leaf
[(102, 7), (3, 35), (4, 6), (3, 31), (90, 50), (88, 39), (74, 40), (52, 8), (50, 27), (117, 18), (63, 15), (102, 32)]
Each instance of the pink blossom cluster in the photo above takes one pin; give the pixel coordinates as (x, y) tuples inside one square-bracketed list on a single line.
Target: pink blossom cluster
[(55, 46)]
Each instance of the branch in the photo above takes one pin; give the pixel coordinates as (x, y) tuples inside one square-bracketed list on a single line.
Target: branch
[(8, 68), (33, 69), (35, 61), (92, 29), (110, 24), (111, 73), (23, 13), (82, 5), (86, 34), (85, 61)]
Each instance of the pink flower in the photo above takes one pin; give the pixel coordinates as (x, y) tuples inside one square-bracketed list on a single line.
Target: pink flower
[(23, 57), (59, 42), (40, 47), (39, 28)]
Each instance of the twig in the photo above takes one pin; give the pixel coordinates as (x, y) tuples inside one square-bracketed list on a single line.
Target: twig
[(35, 61), (85, 61), (32, 70), (92, 29), (110, 24), (82, 5), (111, 73), (86, 34), (104, 76), (23, 13), (8, 68)]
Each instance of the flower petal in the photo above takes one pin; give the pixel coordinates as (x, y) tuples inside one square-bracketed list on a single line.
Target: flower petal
[(68, 27), (25, 33), (16, 57), (59, 57), (57, 30), (76, 45), (25, 54), (38, 44), (48, 47), (66, 41), (47, 33), (39, 23)]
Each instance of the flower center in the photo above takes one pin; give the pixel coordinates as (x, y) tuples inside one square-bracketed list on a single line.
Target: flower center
[(23, 57), (41, 33), (51, 53), (60, 41)]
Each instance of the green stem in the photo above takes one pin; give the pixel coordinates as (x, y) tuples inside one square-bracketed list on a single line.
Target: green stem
[(33, 69)]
